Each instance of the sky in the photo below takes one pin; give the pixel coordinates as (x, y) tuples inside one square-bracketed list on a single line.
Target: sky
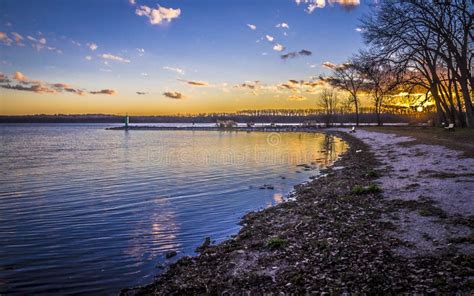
[(159, 57)]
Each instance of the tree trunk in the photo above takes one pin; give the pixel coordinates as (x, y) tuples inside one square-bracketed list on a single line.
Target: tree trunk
[(356, 104), (467, 103)]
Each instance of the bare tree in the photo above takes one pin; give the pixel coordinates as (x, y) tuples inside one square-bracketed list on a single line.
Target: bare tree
[(328, 101), (381, 79), (347, 77), (433, 41)]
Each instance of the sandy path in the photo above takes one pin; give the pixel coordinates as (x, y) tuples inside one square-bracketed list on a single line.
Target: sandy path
[(429, 175)]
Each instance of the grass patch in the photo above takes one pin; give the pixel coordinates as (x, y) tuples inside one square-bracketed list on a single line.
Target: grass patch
[(360, 190), (372, 174), (276, 243)]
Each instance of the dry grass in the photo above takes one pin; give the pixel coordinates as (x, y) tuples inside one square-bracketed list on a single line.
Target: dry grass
[(460, 139)]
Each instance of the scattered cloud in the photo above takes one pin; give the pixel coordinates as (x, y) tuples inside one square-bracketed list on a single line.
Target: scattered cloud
[(296, 97), (76, 43), (141, 51), (41, 87), (18, 38), (294, 54), (34, 87), (144, 74), (174, 95), (4, 78), (89, 58), (133, 2), (176, 70), (278, 47), (311, 5), (40, 43), (305, 52), (5, 39), (141, 93), (283, 26), (269, 38), (195, 83), (158, 15), (252, 27), (329, 65), (112, 57), (92, 46), (20, 77), (289, 55), (109, 92)]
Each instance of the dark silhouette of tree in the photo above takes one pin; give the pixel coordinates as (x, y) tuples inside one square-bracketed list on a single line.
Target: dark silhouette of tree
[(347, 77), (433, 41), (328, 101), (381, 79)]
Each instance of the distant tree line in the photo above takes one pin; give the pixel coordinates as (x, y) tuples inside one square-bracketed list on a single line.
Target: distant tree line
[(259, 116), (414, 46)]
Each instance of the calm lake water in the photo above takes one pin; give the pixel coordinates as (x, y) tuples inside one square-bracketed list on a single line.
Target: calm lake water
[(86, 210)]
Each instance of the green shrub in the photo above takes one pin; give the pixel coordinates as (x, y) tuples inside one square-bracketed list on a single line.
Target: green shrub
[(372, 174), (359, 190), (276, 243)]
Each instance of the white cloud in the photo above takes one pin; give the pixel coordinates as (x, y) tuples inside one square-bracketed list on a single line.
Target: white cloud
[(92, 46), (4, 38), (133, 2), (20, 76), (329, 65), (176, 70), (42, 41), (252, 27), (283, 25), (269, 38), (278, 47), (112, 57), (89, 58), (311, 5), (144, 74), (158, 15), (18, 38)]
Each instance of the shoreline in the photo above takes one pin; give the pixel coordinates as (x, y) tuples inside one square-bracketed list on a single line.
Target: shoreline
[(334, 238)]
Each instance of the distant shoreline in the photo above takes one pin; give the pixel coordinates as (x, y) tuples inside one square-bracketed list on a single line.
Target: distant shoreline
[(263, 128)]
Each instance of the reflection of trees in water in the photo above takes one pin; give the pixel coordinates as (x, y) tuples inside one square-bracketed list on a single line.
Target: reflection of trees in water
[(332, 148)]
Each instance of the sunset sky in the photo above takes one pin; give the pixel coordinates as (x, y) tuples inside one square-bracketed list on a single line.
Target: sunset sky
[(170, 56)]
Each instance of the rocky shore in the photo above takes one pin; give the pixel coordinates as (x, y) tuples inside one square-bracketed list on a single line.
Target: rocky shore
[(340, 235)]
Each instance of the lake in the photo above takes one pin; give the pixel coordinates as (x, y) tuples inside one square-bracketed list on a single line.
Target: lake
[(87, 210)]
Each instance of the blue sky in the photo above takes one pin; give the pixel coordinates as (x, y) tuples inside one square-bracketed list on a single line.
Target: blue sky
[(207, 41)]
